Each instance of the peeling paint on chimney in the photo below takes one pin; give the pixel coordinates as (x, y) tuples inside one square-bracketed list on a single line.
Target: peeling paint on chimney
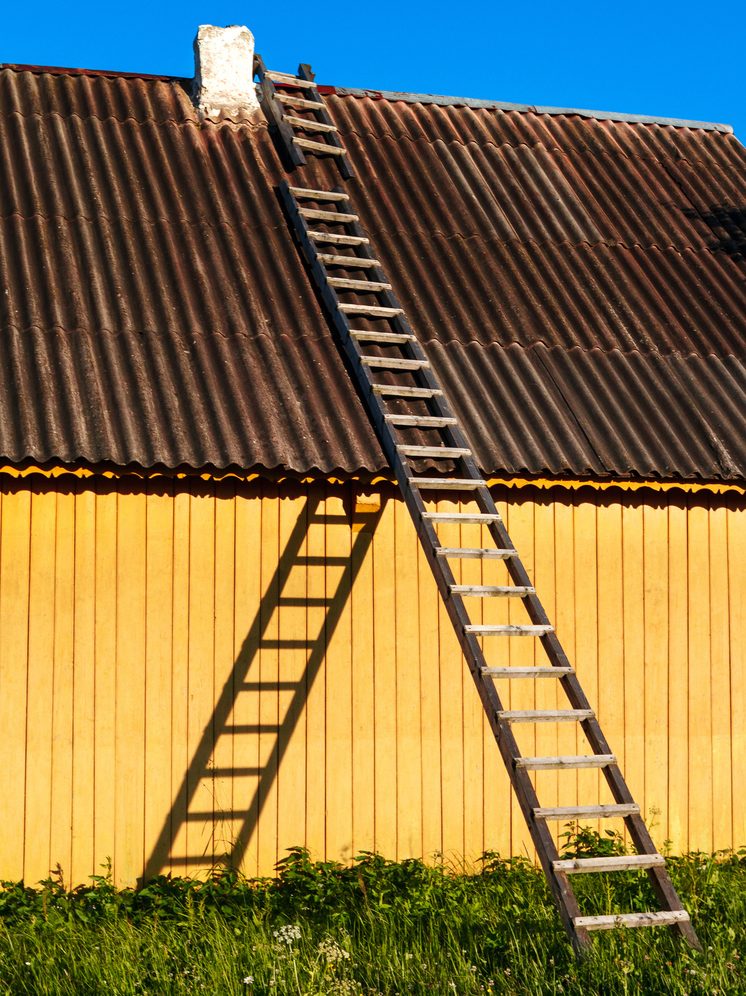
[(224, 73)]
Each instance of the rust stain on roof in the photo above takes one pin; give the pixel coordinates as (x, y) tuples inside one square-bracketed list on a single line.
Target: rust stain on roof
[(578, 283)]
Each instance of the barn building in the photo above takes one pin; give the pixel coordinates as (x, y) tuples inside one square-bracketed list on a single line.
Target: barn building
[(218, 632)]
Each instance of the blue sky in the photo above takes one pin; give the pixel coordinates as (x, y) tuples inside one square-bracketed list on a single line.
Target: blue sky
[(657, 57)]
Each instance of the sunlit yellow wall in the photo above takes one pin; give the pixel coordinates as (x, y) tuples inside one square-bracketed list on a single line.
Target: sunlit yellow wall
[(152, 633)]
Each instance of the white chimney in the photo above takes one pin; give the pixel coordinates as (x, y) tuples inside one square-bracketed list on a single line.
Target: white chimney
[(224, 72)]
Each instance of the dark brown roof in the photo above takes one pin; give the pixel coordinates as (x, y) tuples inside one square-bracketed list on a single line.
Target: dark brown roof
[(577, 281)]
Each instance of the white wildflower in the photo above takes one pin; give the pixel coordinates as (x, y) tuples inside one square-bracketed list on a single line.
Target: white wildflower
[(287, 934), (330, 950)]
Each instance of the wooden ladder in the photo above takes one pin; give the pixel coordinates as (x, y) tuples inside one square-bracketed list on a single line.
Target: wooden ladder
[(417, 428), (299, 95)]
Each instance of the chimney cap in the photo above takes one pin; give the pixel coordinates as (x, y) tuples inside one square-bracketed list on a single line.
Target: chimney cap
[(224, 72)]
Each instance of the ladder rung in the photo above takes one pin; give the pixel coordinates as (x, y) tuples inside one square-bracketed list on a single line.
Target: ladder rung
[(374, 286), (466, 553), (448, 483), (394, 338), (546, 715), (516, 630), (424, 422), (290, 80), (335, 216), (306, 143), (396, 391), (287, 98), (619, 862), (493, 591), (309, 125), (350, 262), (340, 240), (631, 920), (587, 812), (581, 761), (527, 672), (374, 310), (394, 363), (306, 193), (437, 452)]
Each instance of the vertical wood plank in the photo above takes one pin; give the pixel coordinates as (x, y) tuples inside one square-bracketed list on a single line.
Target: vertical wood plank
[(408, 705), (180, 676), (226, 826), (678, 668), (201, 813), (14, 608), (159, 630), (700, 678), (338, 686), (385, 608), (655, 558), (365, 509), (316, 693), (737, 616), (41, 613), (432, 799), (245, 712), (268, 676), (293, 661), (722, 808), (634, 648), (106, 674), (130, 684), (84, 859), (611, 695), (63, 695)]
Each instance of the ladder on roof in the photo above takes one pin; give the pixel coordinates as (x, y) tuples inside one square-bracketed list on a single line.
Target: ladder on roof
[(282, 92), (418, 430)]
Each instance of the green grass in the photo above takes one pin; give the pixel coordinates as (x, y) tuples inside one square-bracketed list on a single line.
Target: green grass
[(378, 927)]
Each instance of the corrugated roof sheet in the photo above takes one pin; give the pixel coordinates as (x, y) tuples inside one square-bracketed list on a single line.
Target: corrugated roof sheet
[(578, 282)]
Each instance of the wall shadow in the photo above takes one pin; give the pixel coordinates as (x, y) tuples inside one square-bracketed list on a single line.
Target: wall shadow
[(201, 766)]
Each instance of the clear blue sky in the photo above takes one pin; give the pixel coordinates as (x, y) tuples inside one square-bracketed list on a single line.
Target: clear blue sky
[(656, 57)]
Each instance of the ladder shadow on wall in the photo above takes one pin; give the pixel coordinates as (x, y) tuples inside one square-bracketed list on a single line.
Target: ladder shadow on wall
[(202, 774)]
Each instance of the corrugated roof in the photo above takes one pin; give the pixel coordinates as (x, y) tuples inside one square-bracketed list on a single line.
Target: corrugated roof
[(577, 281)]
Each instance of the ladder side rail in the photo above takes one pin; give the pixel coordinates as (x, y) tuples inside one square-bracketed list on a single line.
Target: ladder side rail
[(661, 883), (560, 888), (345, 166), (275, 114)]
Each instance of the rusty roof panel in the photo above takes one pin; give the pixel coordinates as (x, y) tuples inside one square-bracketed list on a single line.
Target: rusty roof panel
[(38, 93), (578, 284), (181, 400), (568, 133)]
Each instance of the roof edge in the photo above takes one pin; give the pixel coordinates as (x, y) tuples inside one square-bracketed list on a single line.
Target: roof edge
[(110, 73), (410, 98), (501, 105)]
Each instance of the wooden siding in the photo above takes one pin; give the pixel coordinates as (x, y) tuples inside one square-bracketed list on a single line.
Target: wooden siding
[(189, 669)]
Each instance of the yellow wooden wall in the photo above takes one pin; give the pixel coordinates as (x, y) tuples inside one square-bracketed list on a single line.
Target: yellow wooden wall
[(189, 669)]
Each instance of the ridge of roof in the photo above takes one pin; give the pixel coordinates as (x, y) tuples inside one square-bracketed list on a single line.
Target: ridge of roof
[(501, 105), (72, 71), (411, 98)]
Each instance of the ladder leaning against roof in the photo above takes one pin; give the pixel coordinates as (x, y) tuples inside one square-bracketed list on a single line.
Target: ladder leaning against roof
[(416, 426)]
